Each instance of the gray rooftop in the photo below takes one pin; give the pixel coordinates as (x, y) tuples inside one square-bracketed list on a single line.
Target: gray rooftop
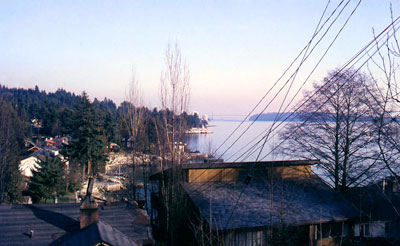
[(98, 232), (262, 203), (50, 222)]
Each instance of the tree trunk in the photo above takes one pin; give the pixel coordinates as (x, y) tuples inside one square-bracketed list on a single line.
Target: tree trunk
[(89, 169), (133, 174), (83, 172)]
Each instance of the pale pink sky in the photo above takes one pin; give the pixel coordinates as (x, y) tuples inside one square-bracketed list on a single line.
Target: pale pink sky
[(235, 49)]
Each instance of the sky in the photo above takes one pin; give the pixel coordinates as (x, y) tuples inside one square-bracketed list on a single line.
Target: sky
[(235, 50)]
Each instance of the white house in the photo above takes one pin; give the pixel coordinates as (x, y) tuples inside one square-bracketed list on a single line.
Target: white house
[(28, 164)]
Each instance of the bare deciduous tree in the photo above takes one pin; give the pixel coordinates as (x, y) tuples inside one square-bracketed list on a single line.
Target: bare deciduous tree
[(174, 94), (338, 129), (134, 122), (383, 69)]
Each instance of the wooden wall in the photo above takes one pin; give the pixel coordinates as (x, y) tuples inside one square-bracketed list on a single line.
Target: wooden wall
[(233, 174)]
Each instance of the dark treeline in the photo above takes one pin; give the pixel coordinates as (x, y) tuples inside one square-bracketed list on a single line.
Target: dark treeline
[(54, 111)]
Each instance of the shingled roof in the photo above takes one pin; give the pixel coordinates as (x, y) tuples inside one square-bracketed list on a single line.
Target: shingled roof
[(98, 232), (51, 222), (297, 201)]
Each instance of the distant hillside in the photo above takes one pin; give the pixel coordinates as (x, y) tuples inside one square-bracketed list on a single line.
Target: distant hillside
[(326, 117), (272, 117)]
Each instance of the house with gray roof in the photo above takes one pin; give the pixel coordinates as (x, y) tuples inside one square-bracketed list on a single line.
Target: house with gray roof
[(88, 223), (259, 203)]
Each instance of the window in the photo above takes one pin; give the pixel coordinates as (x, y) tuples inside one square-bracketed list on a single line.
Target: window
[(388, 227), (329, 230), (364, 230)]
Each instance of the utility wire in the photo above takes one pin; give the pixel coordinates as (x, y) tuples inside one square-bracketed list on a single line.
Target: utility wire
[(362, 65), (292, 114), (340, 12), (294, 74), (276, 82), (304, 49)]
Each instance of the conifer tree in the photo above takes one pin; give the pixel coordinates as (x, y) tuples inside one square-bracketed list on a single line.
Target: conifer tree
[(87, 146), (110, 128), (48, 181), (11, 129)]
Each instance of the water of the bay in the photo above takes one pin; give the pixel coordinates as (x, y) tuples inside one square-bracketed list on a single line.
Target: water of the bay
[(241, 149)]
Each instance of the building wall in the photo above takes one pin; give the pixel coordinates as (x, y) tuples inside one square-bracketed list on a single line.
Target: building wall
[(376, 229), (245, 238), (221, 174), (331, 234), (275, 236), (292, 171), (233, 174)]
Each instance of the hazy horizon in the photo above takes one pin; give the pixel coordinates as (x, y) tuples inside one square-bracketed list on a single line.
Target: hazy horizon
[(235, 50)]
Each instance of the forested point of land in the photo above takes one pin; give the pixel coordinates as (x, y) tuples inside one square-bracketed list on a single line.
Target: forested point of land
[(53, 110)]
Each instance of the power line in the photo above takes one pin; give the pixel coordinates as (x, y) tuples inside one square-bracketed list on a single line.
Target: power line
[(340, 12), (276, 82), (379, 37), (294, 74)]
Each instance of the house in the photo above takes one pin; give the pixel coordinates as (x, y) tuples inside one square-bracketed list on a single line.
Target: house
[(88, 223), (49, 142), (255, 203), (381, 203), (129, 143), (57, 142), (29, 164)]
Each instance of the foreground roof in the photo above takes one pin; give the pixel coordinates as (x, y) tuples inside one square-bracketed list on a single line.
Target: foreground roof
[(50, 222), (98, 232), (296, 201)]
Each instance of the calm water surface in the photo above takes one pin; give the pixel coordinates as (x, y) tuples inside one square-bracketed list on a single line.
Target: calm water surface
[(241, 150)]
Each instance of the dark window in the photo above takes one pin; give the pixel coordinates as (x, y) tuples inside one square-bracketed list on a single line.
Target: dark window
[(328, 230), (364, 230), (388, 227)]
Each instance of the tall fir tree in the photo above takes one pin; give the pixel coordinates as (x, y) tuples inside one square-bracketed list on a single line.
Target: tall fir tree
[(110, 128), (48, 181), (11, 129), (87, 146)]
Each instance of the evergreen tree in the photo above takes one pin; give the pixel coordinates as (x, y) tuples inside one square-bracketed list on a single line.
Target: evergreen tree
[(110, 128), (11, 129), (87, 146), (48, 181), (66, 121)]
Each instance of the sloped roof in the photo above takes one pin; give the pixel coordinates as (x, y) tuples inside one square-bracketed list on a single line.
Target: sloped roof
[(98, 232), (28, 164), (50, 222), (296, 201)]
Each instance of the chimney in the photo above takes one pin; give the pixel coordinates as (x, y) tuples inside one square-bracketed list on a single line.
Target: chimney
[(89, 207)]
